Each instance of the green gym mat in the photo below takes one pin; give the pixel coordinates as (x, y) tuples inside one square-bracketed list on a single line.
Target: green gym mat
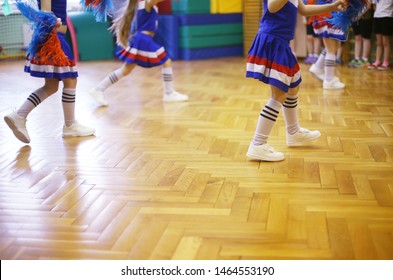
[(190, 6), (211, 29), (212, 35), (95, 41)]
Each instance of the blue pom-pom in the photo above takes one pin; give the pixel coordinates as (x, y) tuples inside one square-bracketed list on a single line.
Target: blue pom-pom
[(42, 24), (354, 11), (101, 9)]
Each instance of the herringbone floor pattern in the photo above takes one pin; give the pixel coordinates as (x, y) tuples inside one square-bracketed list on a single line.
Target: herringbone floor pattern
[(171, 181)]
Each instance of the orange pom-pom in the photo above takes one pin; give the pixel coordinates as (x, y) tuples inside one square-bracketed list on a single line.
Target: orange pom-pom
[(51, 52)]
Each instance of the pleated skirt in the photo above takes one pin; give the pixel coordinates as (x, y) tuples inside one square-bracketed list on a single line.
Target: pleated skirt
[(143, 51), (271, 60), (40, 69)]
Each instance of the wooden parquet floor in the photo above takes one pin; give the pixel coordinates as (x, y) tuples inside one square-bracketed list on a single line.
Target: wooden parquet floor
[(171, 181)]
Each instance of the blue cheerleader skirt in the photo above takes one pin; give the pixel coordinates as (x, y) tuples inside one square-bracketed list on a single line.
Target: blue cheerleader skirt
[(323, 29), (271, 60), (143, 51), (49, 70)]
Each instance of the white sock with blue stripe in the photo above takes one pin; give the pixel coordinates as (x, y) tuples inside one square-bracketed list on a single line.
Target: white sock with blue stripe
[(289, 108), (68, 101), (109, 80), (35, 99), (266, 121), (167, 79)]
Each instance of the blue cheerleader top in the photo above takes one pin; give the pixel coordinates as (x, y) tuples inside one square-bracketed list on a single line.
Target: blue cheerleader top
[(147, 21), (281, 23)]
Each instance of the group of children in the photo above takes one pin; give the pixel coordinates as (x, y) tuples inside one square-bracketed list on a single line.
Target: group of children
[(138, 48), (377, 20), (270, 61)]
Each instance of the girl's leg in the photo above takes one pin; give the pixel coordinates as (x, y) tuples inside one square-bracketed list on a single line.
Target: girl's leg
[(290, 111), (317, 67), (317, 46), (330, 80), (68, 101), (71, 127), (170, 95), (98, 92), (330, 60), (310, 47), (339, 53), (378, 50), (259, 149), (17, 120), (295, 134), (366, 49), (386, 51), (310, 50), (358, 46)]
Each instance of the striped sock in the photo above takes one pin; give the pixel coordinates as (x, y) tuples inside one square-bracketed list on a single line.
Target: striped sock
[(290, 114), (266, 120), (68, 101), (330, 65), (31, 102), (109, 80), (321, 59), (167, 79)]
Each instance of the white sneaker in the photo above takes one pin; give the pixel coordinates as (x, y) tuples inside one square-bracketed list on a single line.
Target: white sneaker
[(318, 72), (77, 130), (175, 97), (303, 135), (333, 84), (264, 152), (99, 97), (18, 126)]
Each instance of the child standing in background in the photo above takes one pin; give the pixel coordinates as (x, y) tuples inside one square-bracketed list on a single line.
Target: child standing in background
[(362, 30), (313, 41), (313, 44), (324, 67), (53, 74), (271, 61), (383, 29), (139, 48)]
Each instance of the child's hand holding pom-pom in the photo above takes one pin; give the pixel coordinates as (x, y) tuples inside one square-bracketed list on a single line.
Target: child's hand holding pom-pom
[(58, 22)]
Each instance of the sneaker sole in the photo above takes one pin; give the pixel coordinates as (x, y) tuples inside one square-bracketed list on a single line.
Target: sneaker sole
[(251, 156), (332, 88), (79, 135), (102, 104), (304, 141), (173, 101), (319, 77), (17, 133)]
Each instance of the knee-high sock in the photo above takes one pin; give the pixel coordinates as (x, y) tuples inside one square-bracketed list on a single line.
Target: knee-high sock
[(330, 65), (68, 102), (109, 80), (167, 80), (31, 102), (266, 120), (320, 63), (290, 114)]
